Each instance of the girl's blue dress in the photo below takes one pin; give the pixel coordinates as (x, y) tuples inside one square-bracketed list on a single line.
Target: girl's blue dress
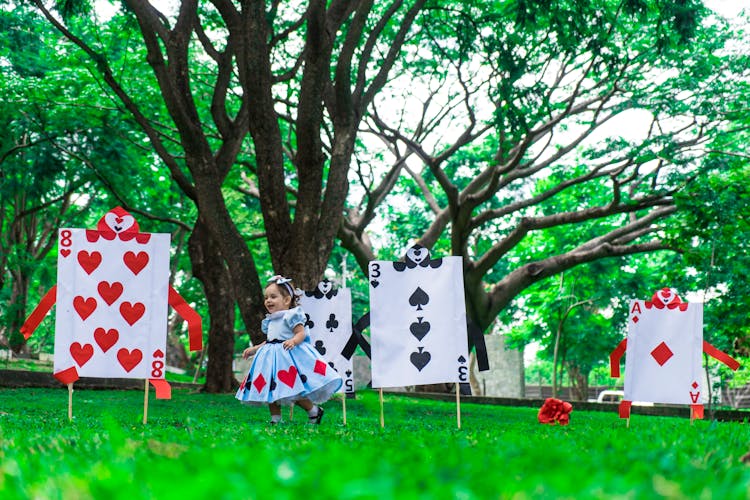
[(280, 376)]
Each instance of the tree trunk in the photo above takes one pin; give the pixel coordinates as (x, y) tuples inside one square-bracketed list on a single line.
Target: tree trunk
[(209, 268), (579, 383), (18, 300)]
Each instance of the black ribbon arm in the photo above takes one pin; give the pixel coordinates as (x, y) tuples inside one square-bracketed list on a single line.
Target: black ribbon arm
[(357, 339), (476, 341)]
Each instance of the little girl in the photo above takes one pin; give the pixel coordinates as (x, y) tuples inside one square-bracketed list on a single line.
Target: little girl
[(286, 369)]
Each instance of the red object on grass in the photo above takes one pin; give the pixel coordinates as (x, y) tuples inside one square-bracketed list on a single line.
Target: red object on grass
[(555, 411)]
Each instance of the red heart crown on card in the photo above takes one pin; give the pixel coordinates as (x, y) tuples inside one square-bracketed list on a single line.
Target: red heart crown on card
[(666, 297), (117, 223)]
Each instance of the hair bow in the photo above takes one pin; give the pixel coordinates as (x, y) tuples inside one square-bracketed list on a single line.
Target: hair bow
[(279, 280)]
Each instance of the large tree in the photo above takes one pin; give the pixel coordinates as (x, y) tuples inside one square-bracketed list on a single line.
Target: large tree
[(519, 126), (278, 87)]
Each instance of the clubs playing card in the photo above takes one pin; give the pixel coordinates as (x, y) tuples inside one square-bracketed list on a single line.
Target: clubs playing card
[(329, 323)]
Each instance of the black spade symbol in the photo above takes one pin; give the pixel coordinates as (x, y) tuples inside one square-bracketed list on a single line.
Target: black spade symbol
[(420, 329), (309, 322), (374, 283), (348, 373), (419, 298), (118, 228), (461, 359), (273, 384), (420, 359), (303, 378), (320, 347), (332, 323), (330, 363)]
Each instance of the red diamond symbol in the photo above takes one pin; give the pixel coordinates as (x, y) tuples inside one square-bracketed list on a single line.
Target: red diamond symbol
[(695, 385), (259, 382), (635, 319), (320, 367), (661, 354)]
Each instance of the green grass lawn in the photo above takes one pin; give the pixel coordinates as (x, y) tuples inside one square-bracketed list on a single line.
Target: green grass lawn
[(210, 446)]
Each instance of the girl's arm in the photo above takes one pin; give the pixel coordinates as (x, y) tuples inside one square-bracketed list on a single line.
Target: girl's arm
[(252, 350), (299, 337)]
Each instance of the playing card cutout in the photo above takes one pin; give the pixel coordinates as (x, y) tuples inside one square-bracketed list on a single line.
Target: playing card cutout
[(663, 352), (418, 320), (329, 322), (112, 303)]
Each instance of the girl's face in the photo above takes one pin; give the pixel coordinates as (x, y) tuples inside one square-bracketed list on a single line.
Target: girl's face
[(275, 299)]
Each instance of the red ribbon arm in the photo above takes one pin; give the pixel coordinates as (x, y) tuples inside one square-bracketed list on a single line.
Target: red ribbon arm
[(614, 358), (163, 389), (194, 321), (720, 356), (39, 312)]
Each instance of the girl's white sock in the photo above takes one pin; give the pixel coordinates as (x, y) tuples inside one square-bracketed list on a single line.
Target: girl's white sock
[(275, 419), (313, 412)]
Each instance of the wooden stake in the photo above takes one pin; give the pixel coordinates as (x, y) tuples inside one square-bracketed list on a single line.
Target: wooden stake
[(627, 423), (343, 405), (382, 417), (70, 402), (458, 407), (291, 412), (145, 402)]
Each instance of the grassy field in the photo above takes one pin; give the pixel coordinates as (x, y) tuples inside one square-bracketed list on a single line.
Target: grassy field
[(210, 446)]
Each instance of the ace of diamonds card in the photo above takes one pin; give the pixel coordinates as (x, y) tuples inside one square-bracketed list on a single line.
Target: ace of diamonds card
[(664, 351), (111, 317)]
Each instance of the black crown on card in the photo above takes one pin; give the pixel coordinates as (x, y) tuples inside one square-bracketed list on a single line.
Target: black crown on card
[(324, 289), (417, 256)]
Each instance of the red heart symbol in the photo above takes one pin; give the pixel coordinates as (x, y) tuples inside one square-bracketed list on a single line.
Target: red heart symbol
[(89, 261), (106, 338), (118, 220), (158, 353), (135, 263), (84, 307), (129, 359), (288, 376), (132, 312), (65, 252), (81, 353), (110, 293)]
